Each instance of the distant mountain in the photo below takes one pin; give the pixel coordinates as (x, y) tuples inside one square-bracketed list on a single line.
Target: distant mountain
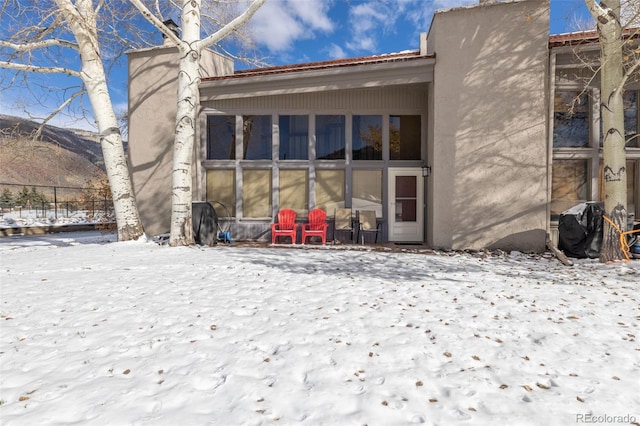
[(61, 157), (82, 142)]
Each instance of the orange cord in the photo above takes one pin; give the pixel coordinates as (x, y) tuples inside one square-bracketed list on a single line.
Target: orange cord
[(623, 240)]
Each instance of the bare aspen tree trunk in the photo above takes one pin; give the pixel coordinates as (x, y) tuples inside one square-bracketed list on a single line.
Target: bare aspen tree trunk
[(82, 21), (188, 82), (607, 16), (190, 46)]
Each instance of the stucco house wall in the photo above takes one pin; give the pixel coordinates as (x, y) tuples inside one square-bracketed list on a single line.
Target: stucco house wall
[(487, 146)]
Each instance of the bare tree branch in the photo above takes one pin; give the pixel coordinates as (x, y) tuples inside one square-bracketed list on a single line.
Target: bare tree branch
[(627, 74), (155, 21), (43, 70), (61, 107), (231, 26), (38, 45)]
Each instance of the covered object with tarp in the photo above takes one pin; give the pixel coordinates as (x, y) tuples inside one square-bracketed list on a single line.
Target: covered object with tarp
[(205, 223), (580, 230)]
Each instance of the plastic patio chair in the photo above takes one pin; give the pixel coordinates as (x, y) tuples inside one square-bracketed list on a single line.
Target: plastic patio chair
[(316, 226), (343, 222), (367, 223), (285, 227)]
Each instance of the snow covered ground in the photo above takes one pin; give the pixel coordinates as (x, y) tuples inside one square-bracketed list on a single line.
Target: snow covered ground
[(23, 218), (95, 332)]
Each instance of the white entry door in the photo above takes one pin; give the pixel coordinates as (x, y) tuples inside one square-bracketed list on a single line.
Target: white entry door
[(406, 205)]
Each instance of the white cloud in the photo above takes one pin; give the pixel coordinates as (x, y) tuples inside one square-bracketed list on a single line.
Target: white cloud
[(362, 43), (371, 20), (313, 13), (374, 19), (448, 4), (365, 20), (280, 23), (336, 52)]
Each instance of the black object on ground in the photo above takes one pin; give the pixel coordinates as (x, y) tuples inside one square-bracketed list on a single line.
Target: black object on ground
[(580, 230), (205, 223)]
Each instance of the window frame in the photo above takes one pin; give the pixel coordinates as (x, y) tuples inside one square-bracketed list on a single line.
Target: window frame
[(593, 152)]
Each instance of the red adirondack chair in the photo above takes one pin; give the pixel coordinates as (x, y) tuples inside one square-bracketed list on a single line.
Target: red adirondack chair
[(316, 226), (286, 226)]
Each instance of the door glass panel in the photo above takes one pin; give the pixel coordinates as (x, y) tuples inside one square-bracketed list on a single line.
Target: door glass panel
[(405, 210), (406, 186), (406, 198)]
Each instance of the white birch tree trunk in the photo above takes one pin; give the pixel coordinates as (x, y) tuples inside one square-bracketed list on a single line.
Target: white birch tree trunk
[(82, 21), (190, 46), (614, 170), (186, 115)]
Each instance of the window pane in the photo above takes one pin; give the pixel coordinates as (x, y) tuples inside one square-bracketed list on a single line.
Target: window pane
[(329, 190), (367, 190), (221, 137), (630, 99), (404, 137), (633, 191), (257, 137), (630, 120), (221, 186), (256, 193), (367, 137), (570, 120), (330, 138), (294, 137), (294, 190), (569, 184)]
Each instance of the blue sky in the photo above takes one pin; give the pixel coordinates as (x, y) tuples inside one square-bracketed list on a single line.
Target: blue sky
[(295, 31), (311, 30)]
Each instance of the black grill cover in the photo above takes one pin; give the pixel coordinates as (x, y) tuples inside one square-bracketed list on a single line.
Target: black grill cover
[(205, 223), (580, 230)]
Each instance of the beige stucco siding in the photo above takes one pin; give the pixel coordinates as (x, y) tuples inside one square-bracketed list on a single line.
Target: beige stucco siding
[(386, 99), (487, 147), (152, 112)]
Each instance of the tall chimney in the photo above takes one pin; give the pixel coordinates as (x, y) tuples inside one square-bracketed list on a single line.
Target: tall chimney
[(171, 26)]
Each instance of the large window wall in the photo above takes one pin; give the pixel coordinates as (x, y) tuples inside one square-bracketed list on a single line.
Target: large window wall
[(258, 164), (577, 150)]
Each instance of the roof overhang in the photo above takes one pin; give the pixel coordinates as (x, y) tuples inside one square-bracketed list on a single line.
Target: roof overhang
[(589, 38), (413, 70)]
